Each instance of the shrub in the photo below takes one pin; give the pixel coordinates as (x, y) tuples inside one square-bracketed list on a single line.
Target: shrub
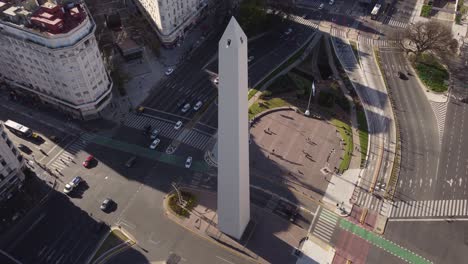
[(426, 10), (176, 208), (326, 99)]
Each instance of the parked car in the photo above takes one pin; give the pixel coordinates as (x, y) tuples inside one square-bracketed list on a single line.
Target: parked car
[(216, 80), (169, 71), (154, 134), (155, 143), (178, 125), (24, 149), (130, 162), (188, 162), (251, 58), (198, 105), (185, 108), (88, 161), (106, 204)]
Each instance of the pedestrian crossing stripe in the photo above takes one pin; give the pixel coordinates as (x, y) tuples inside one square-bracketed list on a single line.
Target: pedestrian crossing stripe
[(166, 129), (429, 208), (325, 225)]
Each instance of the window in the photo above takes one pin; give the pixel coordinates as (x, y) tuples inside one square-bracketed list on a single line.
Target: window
[(14, 151), (78, 94), (3, 162), (8, 143), (3, 134)]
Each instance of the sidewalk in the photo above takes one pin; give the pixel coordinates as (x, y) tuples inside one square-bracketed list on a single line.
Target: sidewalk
[(266, 231)]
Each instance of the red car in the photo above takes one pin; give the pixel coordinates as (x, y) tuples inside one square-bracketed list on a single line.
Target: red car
[(87, 161)]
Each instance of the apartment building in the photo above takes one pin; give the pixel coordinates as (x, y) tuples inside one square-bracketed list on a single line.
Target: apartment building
[(48, 50), (171, 19), (11, 164)]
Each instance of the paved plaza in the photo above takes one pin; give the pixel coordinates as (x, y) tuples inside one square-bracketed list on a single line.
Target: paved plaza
[(296, 150)]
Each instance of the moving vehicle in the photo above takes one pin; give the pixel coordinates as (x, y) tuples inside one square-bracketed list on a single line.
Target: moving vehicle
[(105, 204), (375, 11), (130, 162), (169, 71), (185, 108), (251, 58), (88, 161), (331, 2), (18, 128), (154, 134), (402, 76), (216, 80), (24, 148), (155, 143), (198, 105), (178, 125), (287, 32), (72, 184), (321, 6), (188, 162)]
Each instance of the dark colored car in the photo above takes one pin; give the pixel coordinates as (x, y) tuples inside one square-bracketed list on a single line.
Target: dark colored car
[(24, 149), (402, 76), (130, 162)]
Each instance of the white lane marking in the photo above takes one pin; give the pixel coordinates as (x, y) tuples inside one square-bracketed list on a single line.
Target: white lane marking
[(224, 260), (426, 219)]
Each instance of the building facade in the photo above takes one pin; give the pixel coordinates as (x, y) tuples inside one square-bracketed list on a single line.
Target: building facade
[(49, 51), (11, 164), (171, 18)]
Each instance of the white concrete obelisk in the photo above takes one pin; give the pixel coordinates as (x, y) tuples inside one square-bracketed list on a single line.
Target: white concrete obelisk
[(233, 137)]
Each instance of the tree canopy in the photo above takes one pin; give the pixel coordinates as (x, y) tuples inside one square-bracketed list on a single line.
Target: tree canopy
[(430, 36)]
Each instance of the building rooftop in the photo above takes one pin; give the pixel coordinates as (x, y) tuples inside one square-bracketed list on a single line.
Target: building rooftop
[(41, 16)]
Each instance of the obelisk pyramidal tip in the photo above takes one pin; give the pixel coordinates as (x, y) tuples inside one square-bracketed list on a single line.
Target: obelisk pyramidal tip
[(233, 132)]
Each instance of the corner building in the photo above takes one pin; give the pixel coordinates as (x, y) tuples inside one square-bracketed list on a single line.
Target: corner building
[(11, 164), (171, 18), (49, 51)]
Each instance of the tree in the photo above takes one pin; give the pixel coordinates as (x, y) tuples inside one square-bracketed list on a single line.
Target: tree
[(252, 16), (431, 36)]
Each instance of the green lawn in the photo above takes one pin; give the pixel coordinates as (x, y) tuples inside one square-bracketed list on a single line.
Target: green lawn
[(431, 73), (347, 136), (115, 238), (426, 10), (191, 203), (259, 107), (252, 92), (363, 134)]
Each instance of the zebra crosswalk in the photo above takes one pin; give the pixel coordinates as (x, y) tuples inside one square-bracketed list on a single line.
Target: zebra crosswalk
[(430, 208), (376, 42), (325, 225), (305, 22), (194, 137), (394, 23), (69, 153), (440, 111)]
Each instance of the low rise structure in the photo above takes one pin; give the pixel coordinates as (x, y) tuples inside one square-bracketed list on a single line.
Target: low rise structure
[(11, 164), (49, 51)]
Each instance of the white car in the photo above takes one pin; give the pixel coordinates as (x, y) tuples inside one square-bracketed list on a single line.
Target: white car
[(331, 2), (198, 105), (216, 80), (155, 143), (188, 162), (68, 188), (72, 184), (321, 6), (169, 71), (185, 108), (178, 125)]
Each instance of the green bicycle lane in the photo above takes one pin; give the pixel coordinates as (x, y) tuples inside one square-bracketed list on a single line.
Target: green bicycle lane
[(199, 166), (383, 243)]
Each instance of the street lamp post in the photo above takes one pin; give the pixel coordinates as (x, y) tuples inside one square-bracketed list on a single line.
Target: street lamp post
[(307, 112)]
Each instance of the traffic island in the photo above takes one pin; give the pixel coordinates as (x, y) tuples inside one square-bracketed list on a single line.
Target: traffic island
[(115, 242)]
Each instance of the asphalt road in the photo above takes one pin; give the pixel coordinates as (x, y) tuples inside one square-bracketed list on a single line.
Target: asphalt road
[(420, 148)]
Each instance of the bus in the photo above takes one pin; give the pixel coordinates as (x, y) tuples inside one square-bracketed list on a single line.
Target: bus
[(18, 128), (375, 11)]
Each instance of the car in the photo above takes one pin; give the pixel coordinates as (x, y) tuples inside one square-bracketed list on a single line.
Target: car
[(24, 149), (147, 129), (331, 2), (181, 102), (54, 138), (178, 125), (251, 58), (287, 32), (169, 71), (188, 162), (402, 76), (88, 161), (321, 6), (106, 204), (154, 134), (130, 162), (305, 16), (216, 80), (198, 105), (72, 184), (185, 108), (155, 143)]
